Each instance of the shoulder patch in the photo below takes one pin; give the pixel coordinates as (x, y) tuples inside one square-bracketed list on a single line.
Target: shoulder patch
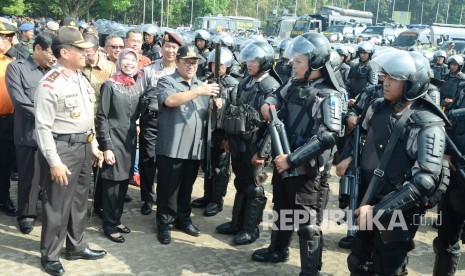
[(53, 76)]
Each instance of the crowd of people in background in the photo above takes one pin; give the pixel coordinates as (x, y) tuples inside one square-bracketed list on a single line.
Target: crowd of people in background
[(144, 106)]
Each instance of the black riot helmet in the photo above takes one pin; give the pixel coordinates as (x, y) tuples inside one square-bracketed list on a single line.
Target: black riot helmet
[(314, 45), (283, 46), (260, 51), (458, 59), (366, 47), (204, 35), (411, 67), (342, 51)]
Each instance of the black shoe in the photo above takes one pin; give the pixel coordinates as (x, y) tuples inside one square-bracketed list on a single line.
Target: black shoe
[(26, 226), (53, 267), (124, 230), (200, 202), (244, 237), (146, 208), (164, 236), (189, 229), (14, 176), (346, 242), (265, 256), (227, 229), (86, 254), (119, 239), (212, 209), (128, 198), (9, 208)]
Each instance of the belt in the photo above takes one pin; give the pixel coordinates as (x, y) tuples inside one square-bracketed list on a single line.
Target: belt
[(82, 138), (152, 113), (4, 116)]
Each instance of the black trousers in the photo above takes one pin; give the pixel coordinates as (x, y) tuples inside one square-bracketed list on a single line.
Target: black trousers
[(29, 169), (147, 158), (64, 208), (241, 161), (452, 211), (176, 178), (113, 194), (7, 155)]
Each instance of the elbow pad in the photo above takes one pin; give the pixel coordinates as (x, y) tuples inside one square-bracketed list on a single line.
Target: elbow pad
[(407, 197), (314, 147)]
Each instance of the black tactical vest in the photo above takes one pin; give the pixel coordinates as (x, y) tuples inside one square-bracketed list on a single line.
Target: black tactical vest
[(450, 86), (358, 79), (284, 71), (400, 164), (457, 132)]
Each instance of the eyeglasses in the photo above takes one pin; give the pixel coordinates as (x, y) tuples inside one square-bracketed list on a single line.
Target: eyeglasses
[(114, 47), (190, 64)]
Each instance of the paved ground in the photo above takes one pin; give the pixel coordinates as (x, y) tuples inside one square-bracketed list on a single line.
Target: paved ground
[(209, 254)]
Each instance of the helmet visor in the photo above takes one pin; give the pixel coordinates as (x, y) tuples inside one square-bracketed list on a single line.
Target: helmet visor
[(397, 64)]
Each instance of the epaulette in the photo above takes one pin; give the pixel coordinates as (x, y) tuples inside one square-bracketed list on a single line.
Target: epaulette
[(229, 81), (53, 76), (268, 83)]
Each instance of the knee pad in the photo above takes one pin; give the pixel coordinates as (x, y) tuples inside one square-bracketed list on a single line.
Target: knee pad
[(440, 248), (254, 191)]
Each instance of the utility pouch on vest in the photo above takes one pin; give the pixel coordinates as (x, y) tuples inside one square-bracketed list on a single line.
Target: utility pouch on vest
[(241, 120)]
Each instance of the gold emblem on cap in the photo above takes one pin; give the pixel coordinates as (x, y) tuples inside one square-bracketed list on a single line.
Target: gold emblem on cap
[(72, 23), (191, 51), (167, 38)]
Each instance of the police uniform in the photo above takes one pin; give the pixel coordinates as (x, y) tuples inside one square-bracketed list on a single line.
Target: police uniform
[(27, 45), (446, 245), (401, 189), (440, 70), (250, 199), (216, 184), (22, 79), (180, 149), (64, 107), (148, 125), (450, 87), (360, 76)]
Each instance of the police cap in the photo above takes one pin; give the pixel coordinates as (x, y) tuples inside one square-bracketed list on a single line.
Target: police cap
[(173, 37)]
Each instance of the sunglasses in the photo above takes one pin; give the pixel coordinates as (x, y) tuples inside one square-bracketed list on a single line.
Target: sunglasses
[(114, 47)]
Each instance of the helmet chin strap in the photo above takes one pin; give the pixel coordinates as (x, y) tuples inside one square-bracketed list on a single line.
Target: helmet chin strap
[(403, 99)]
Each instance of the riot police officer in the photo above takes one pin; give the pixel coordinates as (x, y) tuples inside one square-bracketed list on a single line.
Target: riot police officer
[(151, 47), (452, 209), (245, 131), (202, 41), (361, 74), (401, 178), (440, 68), (216, 184), (310, 135), (451, 80), (284, 65), (345, 68)]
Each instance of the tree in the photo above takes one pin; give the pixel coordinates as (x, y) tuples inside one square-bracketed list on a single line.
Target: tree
[(13, 7)]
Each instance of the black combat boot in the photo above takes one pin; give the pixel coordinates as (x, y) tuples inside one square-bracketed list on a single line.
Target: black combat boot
[(310, 243), (220, 185), (233, 227), (202, 202), (252, 218), (278, 251)]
